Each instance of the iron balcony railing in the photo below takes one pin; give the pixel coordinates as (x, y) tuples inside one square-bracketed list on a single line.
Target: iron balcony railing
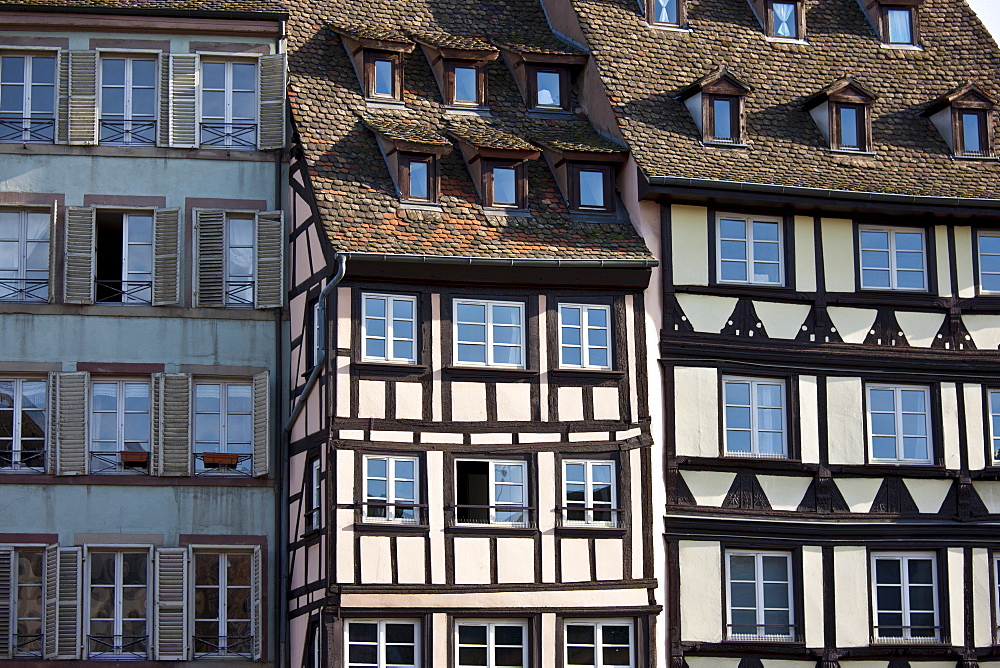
[(229, 135), (232, 647), (27, 460), (28, 645), (239, 294), (889, 634), (494, 515), (381, 512), (234, 465), (24, 290), (118, 645), (128, 133), (113, 462), (762, 632), (27, 130), (124, 292)]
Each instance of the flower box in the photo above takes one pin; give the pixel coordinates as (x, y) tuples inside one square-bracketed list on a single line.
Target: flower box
[(134, 457), (217, 459)]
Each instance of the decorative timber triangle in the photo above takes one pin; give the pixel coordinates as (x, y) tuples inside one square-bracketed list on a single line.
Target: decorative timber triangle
[(746, 493), (898, 663), (953, 335), (744, 321), (886, 331), (678, 493), (674, 320), (963, 503), (818, 328), (823, 496), (894, 498), (751, 663)]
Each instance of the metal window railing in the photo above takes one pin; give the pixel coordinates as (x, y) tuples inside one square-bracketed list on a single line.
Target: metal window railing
[(494, 515), (27, 130), (24, 290), (28, 645), (223, 464), (762, 632), (888, 634), (123, 292), (229, 135), (118, 645), (127, 132), (223, 646), (590, 516), (240, 294), (381, 512), (102, 461), (27, 460)]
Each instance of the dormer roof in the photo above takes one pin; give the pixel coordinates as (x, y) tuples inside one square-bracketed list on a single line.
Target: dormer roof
[(576, 140), (455, 46), (720, 81), (407, 135), (378, 38), (969, 96), (490, 139), (842, 90), (542, 49)]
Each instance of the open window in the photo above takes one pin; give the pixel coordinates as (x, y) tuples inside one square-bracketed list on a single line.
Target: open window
[(716, 103), (377, 56), (965, 119), (842, 112), (123, 266), (491, 492)]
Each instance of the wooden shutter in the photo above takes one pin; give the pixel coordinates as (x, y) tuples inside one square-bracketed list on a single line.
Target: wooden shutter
[(270, 269), (8, 581), (51, 422), (80, 230), (62, 108), (53, 236), (69, 419), (261, 423), (257, 592), (82, 97), (210, 279), (62, 602), (163, 122), (172, 424), (183, 100), (170, 628), (166, 257), (271, 133)]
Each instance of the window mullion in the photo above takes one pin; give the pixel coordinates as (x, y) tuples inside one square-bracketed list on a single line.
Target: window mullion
[(898, 402), (893, 278), (754, 440), (588, 491), (905, 584), (759, 588)]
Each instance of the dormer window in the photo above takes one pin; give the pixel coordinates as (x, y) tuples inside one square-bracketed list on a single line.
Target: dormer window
[(848, 127), (417, 178), (411, 151), (464, 85), (383, 76), (377, 56), (549, 88), (785, 19), (590, 187), (971, 132), (716, 103), (964, 117), (898, 26), (505, 184), (722, 119), (496, 160), (459, 66), (667, 12), (842, 112)]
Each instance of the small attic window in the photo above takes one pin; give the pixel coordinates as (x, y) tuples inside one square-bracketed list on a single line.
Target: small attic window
[(667, 12), (716, 103), (549, 88), (899, 26), (418, 178), (590, 187), (505, 184), (383, 75), (971, 133), (964, 117), (785, 20), (465, 84), (849, 127), (842, 112), (722, 119)]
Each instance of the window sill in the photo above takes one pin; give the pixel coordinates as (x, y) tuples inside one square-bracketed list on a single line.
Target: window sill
[(489, 529), (975, 158), (585, 531), (420, 206), (902, 47), (847, 151), (787, 40), (600, 217), (586, 373), (391, 528), (494, 372), (375, 103), (709, 143), (667, 27), (394, 368), (509, 212), (561, 114), (459, 110)]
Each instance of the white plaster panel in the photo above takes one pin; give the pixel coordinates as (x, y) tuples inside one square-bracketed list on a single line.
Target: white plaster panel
[(845, 421), (920, 328), (850, 574), (440, 631), (782, 321), (809, 419), (805, 255), (438, 437), (927, 494), (344, 523), (859, 493), (411, 560), (950, 425), (371, 399), (696, 411), (468, 402), (989, 492), (784, 492), (575, 559), (981, 599), (343, 317), (544, 437), (435, 514), (381, 436), (610, 558), (546, 521), (700, 590), (513, 402), (515, 560), (472, 560), (974, 429), (709, 488), (491, 438), (589, 436), (343, 389), (812, 595), (963, 262), (570, 404), (528, 601), (606, 403), (638, 549), (345, 476), (706, 314), (838, 254), (956, 588), (352, 434), (548, 637), (984, 329), (853, 324), (376, 559), (711, 662), (689, 242), (940, 240), (409, 401)]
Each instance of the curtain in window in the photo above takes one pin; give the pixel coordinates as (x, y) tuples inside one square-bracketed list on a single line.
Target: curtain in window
[(666, 11), (784, 16)]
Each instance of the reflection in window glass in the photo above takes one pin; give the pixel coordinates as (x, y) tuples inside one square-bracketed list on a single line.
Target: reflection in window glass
[(750, 245), (391, 489), (850, 137), (755, 417), (24, 256), (989, 262), (223, 422), (489, 333), (223, 604), (584, 333), (666, 11), (28, 597), (504, 186), (599, 644), (591, 184), (27, 98), (899, 423), (492, 644), (549, 90), (722, 119), (419, 180), (971, 136), (466, 90), (389, 324), (22, 423), (760, 596), (383, 644), (589, 492), (892, 259), (905, 598), (900, 26), (118, 604), (383, 84)]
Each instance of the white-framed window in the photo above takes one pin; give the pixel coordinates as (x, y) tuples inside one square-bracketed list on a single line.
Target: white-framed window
[(759, 592), (893, 259), (24, 255), (996, 593), (994, 398), (389, 329), (899, 424), (22, 423), (240, 259), (989, 261), (26, 605), (118, 606), (754, 417), (314, 513), (228, 103), (491, 644), (128, 99), (905, 598), (223, 604), (223, 424), (584, 336), (491, 492), (383, 643), (391, 489), (123, 268), (589, 492), (489, 333), (27, 97), (120, 426), (600, 643), (750, 250)]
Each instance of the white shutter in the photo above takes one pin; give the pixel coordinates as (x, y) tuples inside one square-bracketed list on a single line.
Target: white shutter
[(62, 602), (172, 424), (210, 253), (8, 581), (271, 133), (270, 269), (62, 109), (166, 257), (257, 592), (170, 628), (79, 280), (50, 594), (163, 122), (261, 423), (82, 97), (183, 100), (53, 234), (69, 420)]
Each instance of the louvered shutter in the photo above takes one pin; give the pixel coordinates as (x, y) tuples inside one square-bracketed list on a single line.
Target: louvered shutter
[(7, 584), (62, 602), (50, 596), (80, 243), (62, 109), (261, 423), (172, 444), (166, 257), (82, 97), (170, 632), (53, 235), (257, 592), (52, 421), (163, 123), (271, 70), (270, 268), (210, 226), (70, 431), (183, 100)]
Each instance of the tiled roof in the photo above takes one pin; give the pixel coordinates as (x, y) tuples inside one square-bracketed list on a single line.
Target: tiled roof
[(537, 43), (382, 33), (266, 8), (573, 136), (401, 128), (645, 68), (354, 191), (447, 41)]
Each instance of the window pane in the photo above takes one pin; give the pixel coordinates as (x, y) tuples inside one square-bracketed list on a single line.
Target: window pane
[(549, 93), (722, 115), (419, 184), (507, 315), (784, 20), (733, 229), (666, 11), (591, 188), (471, 312), (741, 567), (849, 127), (970, 133), (465, 85), (383, 78), (875, 240), (900, 30), (504, 185)]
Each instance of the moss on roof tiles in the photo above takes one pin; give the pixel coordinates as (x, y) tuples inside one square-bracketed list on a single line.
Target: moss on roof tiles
[(485, 134), (564, 135), (404, 129), (359, 30), (449, 41)]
